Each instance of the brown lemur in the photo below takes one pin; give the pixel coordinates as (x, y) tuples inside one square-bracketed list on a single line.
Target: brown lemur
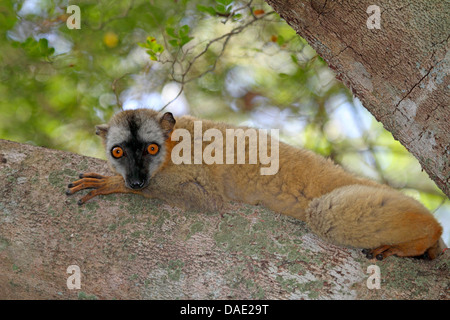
[(338, 206)]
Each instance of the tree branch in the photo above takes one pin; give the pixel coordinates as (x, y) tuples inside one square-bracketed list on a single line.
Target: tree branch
[(129, 247)]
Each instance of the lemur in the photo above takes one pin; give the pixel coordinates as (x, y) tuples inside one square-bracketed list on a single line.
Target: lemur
[(338, 206)]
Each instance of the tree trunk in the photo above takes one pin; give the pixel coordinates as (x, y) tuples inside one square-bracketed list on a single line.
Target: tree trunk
[(129, 247), (399, 72)]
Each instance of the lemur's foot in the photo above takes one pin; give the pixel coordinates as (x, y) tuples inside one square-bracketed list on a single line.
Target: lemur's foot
[(379, 253), (101, 184), (416, 248)]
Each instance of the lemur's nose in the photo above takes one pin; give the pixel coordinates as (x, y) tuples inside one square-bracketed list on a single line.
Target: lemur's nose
[(137, 184)]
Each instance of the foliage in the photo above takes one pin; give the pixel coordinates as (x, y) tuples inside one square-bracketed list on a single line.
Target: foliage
[(154, 48), (228, 60)]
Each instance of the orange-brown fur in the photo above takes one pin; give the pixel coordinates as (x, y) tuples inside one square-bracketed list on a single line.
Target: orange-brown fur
[(337, 205)]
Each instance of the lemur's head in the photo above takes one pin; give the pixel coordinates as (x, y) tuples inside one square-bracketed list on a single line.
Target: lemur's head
[(135, 142)]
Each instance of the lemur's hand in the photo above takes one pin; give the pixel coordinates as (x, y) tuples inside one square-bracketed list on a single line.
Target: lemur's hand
[(101, 184)]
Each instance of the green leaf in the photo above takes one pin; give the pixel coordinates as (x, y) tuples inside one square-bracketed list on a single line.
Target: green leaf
[(174, 43), (7, 15), (224, 2), (150, 40), (171, 32), (185, 40), (152, 55), (209, 10), (36, 49), (294, 58), (43, 43), (154, 48), (184, 31), (237, 17), (221, 9)]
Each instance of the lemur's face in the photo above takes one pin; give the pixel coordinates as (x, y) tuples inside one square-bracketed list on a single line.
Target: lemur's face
[(135, 144)]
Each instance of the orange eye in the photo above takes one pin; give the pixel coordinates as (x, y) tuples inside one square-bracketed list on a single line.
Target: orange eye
[(117, 152), (152, 148)]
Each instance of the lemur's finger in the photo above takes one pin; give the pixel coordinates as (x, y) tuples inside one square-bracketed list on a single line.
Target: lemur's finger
[(91, 195), (95, 184), (86, 181), (86, 198), (91, 175), (75, 189)]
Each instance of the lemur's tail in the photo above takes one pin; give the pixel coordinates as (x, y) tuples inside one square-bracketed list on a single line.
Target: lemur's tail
[(380, 219)]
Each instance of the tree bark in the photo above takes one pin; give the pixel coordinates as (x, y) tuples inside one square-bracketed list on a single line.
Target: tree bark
[(399, 72), (129, 247)]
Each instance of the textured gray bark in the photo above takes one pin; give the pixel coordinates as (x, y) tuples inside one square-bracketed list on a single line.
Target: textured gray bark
[(400, 72), (129, 247)]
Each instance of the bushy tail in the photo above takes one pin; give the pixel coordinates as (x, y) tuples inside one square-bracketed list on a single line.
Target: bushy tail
[(377, 218)]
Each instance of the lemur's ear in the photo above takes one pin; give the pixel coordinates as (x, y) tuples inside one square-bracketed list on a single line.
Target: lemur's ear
[(102, 130), (167, 123)]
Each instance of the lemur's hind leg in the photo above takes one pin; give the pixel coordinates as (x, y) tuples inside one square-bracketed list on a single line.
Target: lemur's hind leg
[(378, 218), (409, 249), (418, 249)]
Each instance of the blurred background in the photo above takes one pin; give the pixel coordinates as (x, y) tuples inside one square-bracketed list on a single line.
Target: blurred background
[(233, 61)]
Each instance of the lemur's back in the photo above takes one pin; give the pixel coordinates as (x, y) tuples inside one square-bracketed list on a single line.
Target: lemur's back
[(300, 177)]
